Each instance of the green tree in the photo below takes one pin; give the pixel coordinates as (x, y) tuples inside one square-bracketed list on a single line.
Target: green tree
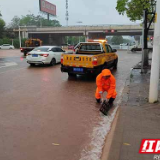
[(126, 40), (73, 40), (117, 39), (2, 25), (109, 39), (15, 22), (32, 20), (134, 8)]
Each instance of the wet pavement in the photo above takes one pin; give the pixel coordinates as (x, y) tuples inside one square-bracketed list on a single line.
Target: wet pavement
[(46, 115)]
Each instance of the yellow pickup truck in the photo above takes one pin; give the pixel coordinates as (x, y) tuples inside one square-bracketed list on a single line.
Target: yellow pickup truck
[(89, 58)]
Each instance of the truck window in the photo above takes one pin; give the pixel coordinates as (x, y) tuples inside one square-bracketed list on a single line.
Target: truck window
[(108, 48), (90, 48)]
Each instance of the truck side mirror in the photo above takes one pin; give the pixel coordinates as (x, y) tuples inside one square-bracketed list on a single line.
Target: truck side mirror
[(114, 50)]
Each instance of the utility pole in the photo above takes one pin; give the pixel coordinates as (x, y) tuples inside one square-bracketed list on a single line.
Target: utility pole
[(146, 28), (67, 17), (145, 35), (155, 68), (19, 37), (48, 16), (67, 13)]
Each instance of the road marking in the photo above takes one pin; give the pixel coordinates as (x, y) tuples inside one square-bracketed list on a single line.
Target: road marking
[(12, 70), (55, 144), (8, 64)]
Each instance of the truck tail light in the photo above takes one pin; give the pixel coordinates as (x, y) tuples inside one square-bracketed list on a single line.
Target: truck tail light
[(95, 61), (62, 59)]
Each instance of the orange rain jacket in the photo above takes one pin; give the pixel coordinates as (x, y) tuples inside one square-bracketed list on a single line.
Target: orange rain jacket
[(108, 85)]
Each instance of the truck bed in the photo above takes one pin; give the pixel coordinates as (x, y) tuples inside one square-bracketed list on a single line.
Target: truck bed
[(77, 60), (25, 50)]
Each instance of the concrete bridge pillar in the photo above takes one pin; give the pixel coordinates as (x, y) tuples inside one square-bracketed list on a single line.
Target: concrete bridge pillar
[(138, 39), (86, 36), (24, 34)]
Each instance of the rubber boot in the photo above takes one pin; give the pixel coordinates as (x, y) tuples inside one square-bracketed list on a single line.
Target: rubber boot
[(111, 101), (98, 100)]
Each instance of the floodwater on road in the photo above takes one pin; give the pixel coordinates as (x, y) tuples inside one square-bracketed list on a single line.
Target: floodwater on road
[(47, 116)]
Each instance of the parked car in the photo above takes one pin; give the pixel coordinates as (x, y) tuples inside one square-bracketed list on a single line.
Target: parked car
[(45, 55), (6, 46), (124, 44)]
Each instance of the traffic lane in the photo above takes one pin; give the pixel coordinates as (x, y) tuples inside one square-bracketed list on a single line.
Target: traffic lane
[(12, 63), (45, 115), (38, 109), (9, 64)]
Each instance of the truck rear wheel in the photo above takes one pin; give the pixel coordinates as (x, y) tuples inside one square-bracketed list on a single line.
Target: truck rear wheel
[(105, 66), (32, 64), (71, 75), (25, 53), (115, 64)]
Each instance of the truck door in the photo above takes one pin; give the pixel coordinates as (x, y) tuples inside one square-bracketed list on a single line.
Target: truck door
[(109, 55), (112, 54)]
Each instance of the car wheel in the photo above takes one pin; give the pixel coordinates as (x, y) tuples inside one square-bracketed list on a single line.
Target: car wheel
[(71, 74), (53, 62), (32, 64), (10, 48), (115, 64)]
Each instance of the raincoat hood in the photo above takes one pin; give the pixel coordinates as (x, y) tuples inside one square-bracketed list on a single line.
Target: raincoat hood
[(106, 72)]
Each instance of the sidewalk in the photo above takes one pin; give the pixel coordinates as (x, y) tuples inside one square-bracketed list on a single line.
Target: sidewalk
[(137, 119)]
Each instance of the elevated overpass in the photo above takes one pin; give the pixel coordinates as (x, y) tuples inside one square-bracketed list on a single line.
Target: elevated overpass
[(56, 35)]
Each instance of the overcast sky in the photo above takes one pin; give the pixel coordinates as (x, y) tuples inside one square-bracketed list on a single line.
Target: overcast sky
[(90, 12)]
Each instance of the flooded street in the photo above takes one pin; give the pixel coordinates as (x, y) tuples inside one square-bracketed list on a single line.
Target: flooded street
[(44, 115)]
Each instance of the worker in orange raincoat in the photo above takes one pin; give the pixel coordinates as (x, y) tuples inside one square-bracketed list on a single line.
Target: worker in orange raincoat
[(106, 82)]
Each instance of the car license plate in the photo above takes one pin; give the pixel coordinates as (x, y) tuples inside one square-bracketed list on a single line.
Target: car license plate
[(34, 55), (78, 69)]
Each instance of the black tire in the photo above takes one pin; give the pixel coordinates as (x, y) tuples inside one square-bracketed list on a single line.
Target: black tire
[(32, 64), (71, 75), (115, 64), (25, 53), (53, 62), (105, 66)]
